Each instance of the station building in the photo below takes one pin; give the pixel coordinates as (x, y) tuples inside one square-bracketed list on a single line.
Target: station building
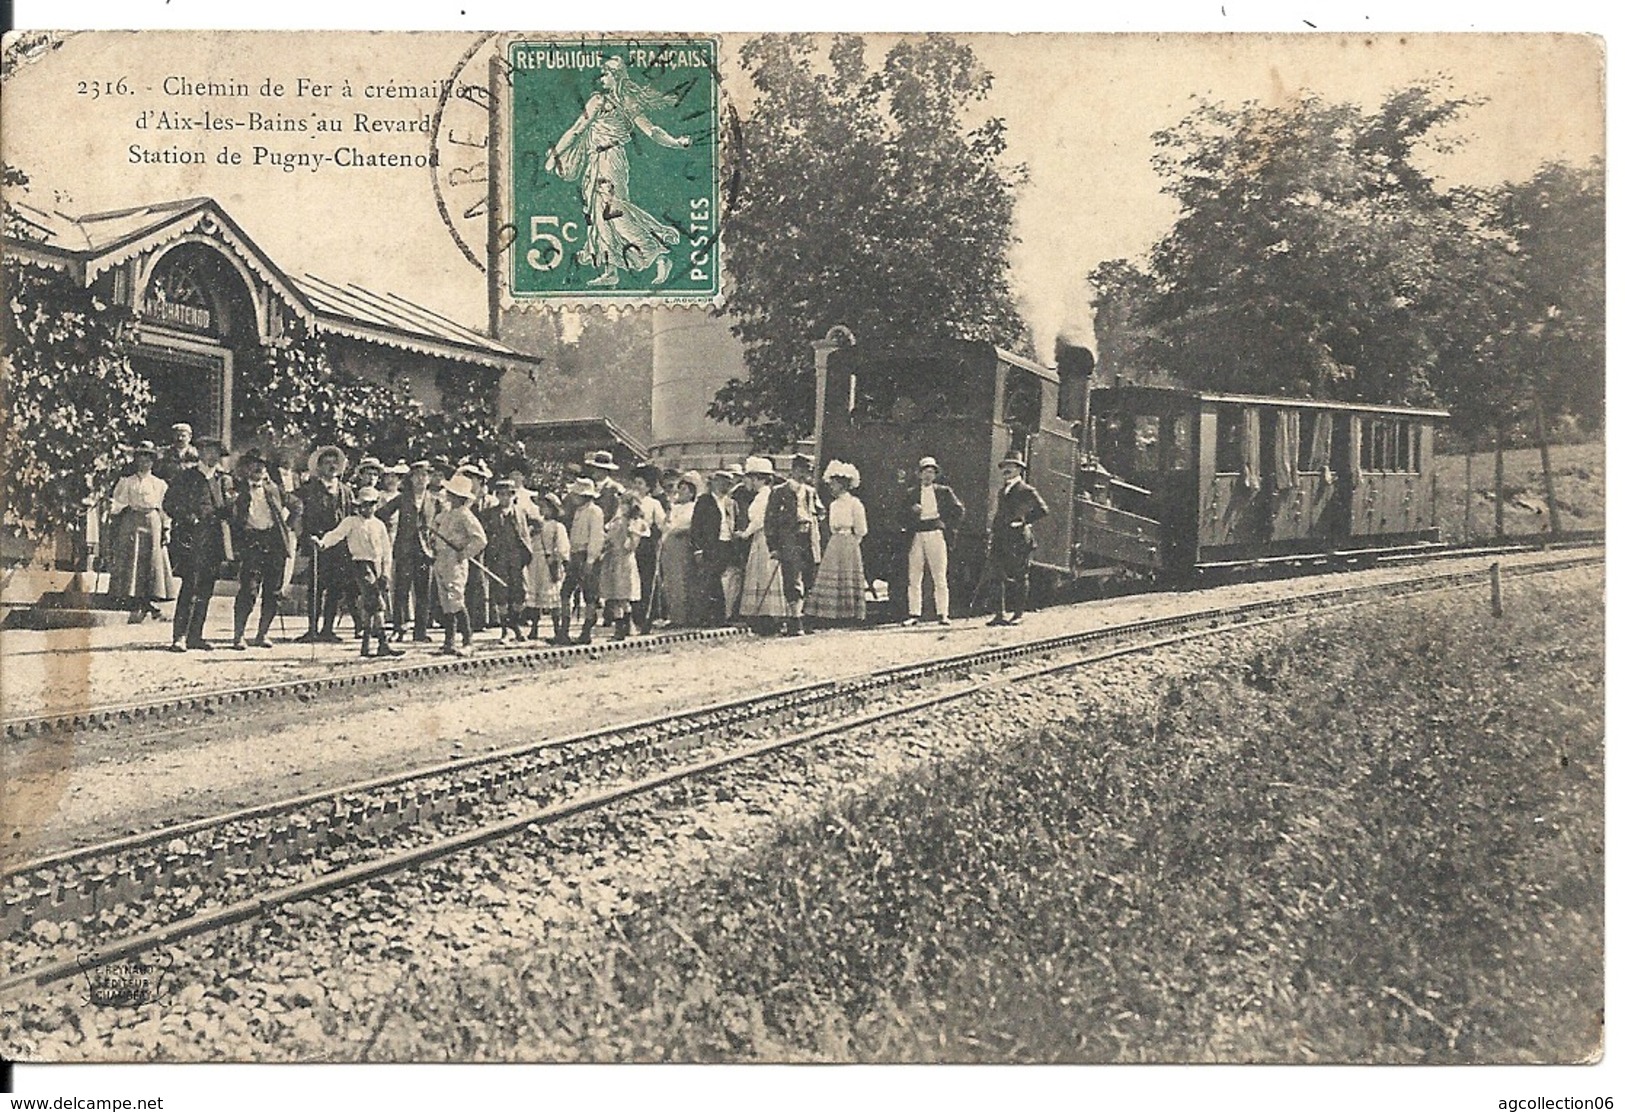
[(204, 296)]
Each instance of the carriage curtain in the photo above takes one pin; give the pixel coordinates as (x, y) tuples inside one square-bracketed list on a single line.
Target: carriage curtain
[(1286, 449), (1249, 449), (1320, 447)]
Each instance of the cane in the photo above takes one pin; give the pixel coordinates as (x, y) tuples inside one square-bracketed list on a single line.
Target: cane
[(315, 592)]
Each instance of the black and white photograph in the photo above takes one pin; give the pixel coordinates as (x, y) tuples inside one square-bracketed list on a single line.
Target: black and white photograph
[(934, 547)]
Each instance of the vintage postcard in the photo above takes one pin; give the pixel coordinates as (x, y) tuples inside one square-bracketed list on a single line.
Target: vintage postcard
[(678, 546)]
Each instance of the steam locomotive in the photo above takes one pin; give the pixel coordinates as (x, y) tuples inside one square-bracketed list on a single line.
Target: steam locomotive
[(1143, 482)]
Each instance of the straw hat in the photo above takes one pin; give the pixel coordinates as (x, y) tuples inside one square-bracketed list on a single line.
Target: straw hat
[(758, 465), (316, 457), (584, 487), (459, 486)]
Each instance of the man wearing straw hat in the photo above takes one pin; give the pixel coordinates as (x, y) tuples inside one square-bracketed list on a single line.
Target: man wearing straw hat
[(711, 533), (324, 501), (932, 518), (586, 552), (1010, 538)]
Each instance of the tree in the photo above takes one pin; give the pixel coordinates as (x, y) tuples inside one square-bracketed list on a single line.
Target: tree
[(865, 199), (1312, 253), (292, 390), (69, 396)]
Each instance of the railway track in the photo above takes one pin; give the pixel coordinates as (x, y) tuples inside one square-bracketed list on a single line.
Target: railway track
[(70, 912), (359, 679)]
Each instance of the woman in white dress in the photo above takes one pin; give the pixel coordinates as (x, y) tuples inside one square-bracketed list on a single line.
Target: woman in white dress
[(138, 560), (838, 592), (763, 594)]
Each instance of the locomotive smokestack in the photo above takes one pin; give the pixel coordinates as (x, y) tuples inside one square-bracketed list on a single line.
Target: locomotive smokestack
[(1076, 365)]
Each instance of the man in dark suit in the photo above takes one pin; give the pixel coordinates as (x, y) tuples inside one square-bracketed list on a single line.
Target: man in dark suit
[(324, 501), (507, 552), (712, 534), (932, 517), (1010, 538), (260, 524), (197, 503), (792, 537), (414, 511)]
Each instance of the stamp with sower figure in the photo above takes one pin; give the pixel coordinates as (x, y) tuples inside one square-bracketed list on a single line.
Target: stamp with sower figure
[(611, 170)]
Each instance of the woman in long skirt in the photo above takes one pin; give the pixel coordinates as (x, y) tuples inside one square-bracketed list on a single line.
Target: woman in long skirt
[(619, 582), (138, 560), (674, 564), (550, 547), (838, 593), (763, 594)]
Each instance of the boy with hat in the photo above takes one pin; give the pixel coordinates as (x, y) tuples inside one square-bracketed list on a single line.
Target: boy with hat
[(367, 540), (324, 501), (586, 552), (931, 519), (457, 537), (1010, 538)]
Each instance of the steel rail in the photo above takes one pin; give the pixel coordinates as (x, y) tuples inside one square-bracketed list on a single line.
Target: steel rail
[(242, 910), (429, 793)]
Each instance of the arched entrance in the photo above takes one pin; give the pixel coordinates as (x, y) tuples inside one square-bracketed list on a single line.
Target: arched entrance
[(197, 317)]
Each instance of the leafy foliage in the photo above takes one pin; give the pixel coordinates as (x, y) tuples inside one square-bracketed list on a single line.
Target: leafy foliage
[(68, 393), (1313, 254), (865, 200), (1189, 881)]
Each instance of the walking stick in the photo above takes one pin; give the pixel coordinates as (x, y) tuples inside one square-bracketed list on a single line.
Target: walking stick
[(489, 574), (315, 592)]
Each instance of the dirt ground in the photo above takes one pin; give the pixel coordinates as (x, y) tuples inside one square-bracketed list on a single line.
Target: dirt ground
[(55, 793)]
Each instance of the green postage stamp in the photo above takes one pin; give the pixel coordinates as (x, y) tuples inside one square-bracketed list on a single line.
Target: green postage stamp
[(613, 169)]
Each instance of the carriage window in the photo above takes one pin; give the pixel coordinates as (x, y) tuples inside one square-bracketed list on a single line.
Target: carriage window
[(1176, 435), (1306, 444), (908, 390), (1147, 442), (1227, 450), (1368, 438), (1402, 445), (1023, 400)]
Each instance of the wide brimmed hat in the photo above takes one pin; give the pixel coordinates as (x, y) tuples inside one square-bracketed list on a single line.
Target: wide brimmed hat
[(610, 487), (459, 486), (695, 481), (583, 486), (423, 464), (322, 453), (604, 461), (1012, 458), (551, 500), (476, 468), (145, 448), (927, 461), (399, 467), (368, 496), (846, 472), (370, 461), (503, 486), (758, 465)]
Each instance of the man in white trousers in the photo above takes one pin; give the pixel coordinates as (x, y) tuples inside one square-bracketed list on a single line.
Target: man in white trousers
[(935, 513)]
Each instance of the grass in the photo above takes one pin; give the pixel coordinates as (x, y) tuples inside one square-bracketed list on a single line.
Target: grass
[(1577, 473), (1376, 840)]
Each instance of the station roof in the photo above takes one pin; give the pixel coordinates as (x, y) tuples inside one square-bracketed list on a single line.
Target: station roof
[(90, 244)]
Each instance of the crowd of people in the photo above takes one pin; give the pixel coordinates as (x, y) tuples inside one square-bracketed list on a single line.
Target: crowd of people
[(406, 548)]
